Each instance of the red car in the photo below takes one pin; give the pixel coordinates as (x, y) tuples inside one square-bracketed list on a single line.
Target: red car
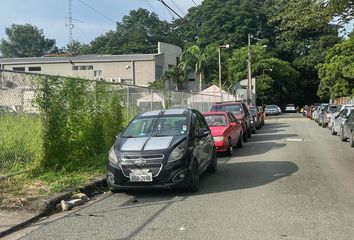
[(226, 131)]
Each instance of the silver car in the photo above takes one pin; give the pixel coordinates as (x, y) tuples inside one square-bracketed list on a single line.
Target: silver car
[(325, 115), (340, 119)]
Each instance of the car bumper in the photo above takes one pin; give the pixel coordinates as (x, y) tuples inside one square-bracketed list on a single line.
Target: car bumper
[(221, 146), (168, 177)]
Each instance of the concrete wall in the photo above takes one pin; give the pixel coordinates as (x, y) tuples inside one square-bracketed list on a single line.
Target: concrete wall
[(143, 71), (171, 53)]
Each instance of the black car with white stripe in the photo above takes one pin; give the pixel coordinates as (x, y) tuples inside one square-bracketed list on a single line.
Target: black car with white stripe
[(162, 149)]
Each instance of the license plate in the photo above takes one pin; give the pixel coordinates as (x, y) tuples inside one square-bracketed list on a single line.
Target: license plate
[(140, 176)]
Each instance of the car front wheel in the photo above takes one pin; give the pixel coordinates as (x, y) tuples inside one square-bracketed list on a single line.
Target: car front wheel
[(333, 132), (212, 168), (194, 181), (341, 135), (352, 140)]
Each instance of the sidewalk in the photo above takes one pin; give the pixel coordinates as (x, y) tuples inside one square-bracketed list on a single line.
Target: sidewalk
[(11, 218)]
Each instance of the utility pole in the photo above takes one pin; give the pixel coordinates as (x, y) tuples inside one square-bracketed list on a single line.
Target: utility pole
[(70, 24), (249, 83), (227, 46)]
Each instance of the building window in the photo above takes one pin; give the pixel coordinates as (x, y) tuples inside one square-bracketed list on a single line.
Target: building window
[(170, 66), (34, 69), (97, 73), (82, 68), (19, 69), (191, 79), (127, 81)]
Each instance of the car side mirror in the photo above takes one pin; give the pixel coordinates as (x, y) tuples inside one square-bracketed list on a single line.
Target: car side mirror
[(118, 135), (233, 124), (202, 132)]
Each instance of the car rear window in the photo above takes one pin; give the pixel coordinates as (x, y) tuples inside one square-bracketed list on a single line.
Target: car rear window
[(215, 119), (234, 108)]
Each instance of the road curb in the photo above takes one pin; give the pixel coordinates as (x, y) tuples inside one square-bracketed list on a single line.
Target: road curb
[(49, 205)]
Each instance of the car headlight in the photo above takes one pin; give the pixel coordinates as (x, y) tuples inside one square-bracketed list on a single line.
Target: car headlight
[(219, 138), (252, 121), (112, 156), (178, 152)]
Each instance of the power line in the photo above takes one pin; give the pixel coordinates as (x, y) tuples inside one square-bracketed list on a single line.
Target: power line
[(153, 9), (98, 12), (194, 3), (178, 7), (167, 6)]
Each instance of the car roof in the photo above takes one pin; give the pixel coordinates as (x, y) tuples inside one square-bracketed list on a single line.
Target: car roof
[(173, 111), (215, 113), (228, 103)]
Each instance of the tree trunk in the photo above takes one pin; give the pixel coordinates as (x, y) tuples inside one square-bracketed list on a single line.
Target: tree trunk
[(200, 81)]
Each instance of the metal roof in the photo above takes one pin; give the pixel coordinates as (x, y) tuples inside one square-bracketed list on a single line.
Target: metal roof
[(80, 59)]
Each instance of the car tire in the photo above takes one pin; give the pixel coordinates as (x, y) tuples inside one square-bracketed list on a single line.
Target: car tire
[(193, 185), (249, 135), (352, 140), (324, 125), (253, 131), (230, 148), (341, 135), (240, 142), (333, 132), (244, 136), (115, 190), (213, 167)]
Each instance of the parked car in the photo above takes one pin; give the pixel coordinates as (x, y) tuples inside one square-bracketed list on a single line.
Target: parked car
[(304, 111), (226, 131), (256, 121), (290, 108), (340, 119), (279, 110), (335, 114), (162, 149), (347, 129), (262, 115), (271, 110), (240, 111), (316, 113), (325, 115)]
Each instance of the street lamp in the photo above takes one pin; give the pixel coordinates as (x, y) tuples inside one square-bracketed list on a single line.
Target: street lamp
[(227, 46)]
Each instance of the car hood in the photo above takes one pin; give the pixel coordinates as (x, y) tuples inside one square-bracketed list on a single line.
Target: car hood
[(239, 116), (217, 130), (142, 144)]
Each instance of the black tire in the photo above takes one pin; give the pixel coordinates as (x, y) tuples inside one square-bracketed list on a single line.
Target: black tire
[(230, 148), (249, 135), (333, 132), (115, 190), (341, 135), (352, 140), (253, 131), (194, 180), (213, 166), (244, 136), (240, 142)]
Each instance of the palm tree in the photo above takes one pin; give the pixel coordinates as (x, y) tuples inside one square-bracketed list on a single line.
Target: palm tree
[(175, 74), (198, 59)]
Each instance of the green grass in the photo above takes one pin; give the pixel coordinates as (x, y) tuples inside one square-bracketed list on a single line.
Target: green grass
[(21, 149), (20, 142)]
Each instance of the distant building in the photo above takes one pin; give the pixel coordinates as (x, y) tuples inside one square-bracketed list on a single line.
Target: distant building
[(134, 69)]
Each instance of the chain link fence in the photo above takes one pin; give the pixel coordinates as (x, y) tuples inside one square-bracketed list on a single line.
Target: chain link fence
[(21, 121)]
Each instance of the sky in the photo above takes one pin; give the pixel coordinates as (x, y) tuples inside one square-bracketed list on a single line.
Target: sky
[(51, 15)]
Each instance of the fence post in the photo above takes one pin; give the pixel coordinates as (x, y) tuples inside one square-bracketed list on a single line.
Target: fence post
[(152, 98), (127, 102)]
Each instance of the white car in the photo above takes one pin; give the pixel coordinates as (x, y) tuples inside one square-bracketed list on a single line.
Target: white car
[(333, 116), (340, 119), (290, 108)]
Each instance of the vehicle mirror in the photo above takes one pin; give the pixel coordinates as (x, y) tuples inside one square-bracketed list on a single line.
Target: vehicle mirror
[(118, 135), (233, 124), (202, 132)]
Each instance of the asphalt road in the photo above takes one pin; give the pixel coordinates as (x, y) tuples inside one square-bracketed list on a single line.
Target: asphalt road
[(293, 180)]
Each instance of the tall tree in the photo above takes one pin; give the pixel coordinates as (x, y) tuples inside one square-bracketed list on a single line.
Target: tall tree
[(337, 71), (25, 41), (138, 32)]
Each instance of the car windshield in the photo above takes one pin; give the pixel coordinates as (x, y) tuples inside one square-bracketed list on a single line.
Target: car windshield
[(158, 127), (290, 105), (234, 108), (333, 108), (271, 107), (253, 111), (215, 120)]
